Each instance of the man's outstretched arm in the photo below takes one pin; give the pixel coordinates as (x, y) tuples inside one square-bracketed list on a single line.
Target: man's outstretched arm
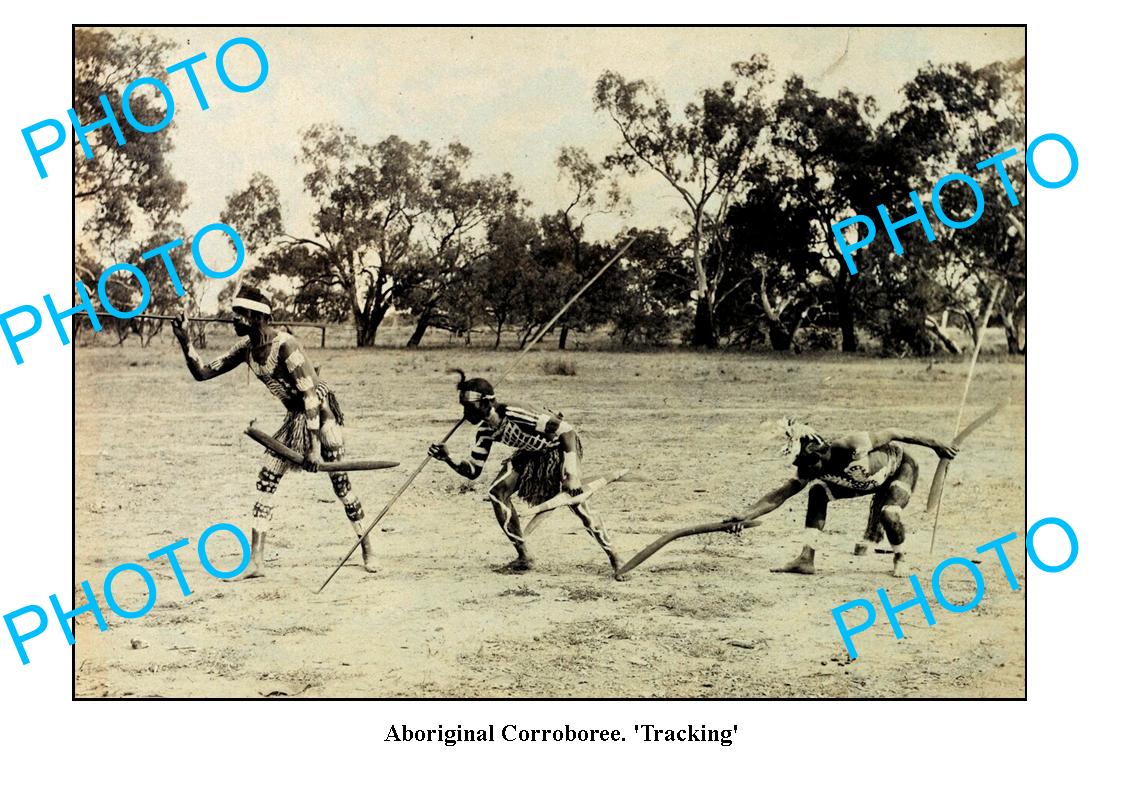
[(774, 499), (200, 370), (887, 435)]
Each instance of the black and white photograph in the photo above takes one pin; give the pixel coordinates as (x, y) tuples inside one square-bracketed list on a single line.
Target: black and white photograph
[(552, 362)]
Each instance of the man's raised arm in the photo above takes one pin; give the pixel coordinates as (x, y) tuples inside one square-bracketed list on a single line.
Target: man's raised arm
[(203, 371)]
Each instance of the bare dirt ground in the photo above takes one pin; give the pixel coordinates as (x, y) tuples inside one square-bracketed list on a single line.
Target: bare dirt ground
[(159, 458)]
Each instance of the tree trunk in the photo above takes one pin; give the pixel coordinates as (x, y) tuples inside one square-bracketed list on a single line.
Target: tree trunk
[(419, 330), (528, 333), (704, 335), (366, 328), (563, 336), (946, 341), (845, 307), (1014, 343), (498, 334), (779, 336)]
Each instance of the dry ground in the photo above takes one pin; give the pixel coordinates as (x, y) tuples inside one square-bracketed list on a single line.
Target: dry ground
[(159, 457)]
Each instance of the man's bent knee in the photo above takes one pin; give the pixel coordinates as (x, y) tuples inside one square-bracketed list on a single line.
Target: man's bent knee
[(894, 527)]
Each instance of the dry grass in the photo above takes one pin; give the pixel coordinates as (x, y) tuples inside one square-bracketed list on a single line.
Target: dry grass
[(437, 620)]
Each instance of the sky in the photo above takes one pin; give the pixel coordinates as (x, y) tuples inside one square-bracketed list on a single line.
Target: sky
[(514, 96)]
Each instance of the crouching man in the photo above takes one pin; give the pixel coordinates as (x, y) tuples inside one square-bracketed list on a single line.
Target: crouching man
[(860, 464), (546, 461)]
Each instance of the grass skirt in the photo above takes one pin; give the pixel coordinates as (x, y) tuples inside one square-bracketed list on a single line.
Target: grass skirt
[(294, 431), (540, 473)]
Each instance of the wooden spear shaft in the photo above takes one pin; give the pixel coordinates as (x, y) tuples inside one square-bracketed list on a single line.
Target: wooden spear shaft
[(962, 405), (147, 316), (522, 354), (154, 317)]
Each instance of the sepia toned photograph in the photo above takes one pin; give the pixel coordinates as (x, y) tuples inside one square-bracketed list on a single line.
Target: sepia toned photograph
[(552, 362)]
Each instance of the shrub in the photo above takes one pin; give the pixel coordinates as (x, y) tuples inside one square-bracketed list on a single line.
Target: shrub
[(559, 367)]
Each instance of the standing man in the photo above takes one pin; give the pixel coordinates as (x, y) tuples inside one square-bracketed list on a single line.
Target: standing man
[(854, 465), (546, 460), (312, 425)]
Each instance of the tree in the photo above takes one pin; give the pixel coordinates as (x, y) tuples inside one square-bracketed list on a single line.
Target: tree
[(121, 183), (655, 278), (255, 212), (125, 291), (828, 166), (953, 118), (591, 193), (123, 188), (508, 276), (455, 209), (368, 199), (775, 280), (704, 157)]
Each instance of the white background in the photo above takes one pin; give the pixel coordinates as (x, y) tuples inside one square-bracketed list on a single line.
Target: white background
[(1061, 737)]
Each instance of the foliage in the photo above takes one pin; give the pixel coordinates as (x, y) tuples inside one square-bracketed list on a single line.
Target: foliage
[(706, 158)]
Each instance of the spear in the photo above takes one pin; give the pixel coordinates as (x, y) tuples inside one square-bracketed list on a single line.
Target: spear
[(936, 494), (521, 356)]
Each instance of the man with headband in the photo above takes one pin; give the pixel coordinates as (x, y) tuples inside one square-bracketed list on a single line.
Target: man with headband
[(312, 425), (546, 460), (855, 465)]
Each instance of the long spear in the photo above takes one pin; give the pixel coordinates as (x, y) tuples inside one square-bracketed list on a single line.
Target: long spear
[(522, 355), (150, 316), (942, 467)]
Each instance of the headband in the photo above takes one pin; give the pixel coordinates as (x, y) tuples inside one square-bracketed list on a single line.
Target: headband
[(250, 304), (472, 395)]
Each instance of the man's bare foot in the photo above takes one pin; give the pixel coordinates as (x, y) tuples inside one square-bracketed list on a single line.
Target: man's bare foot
[(861, 548), (901, 569), (804, 564), (620, 577), (520, 564), (254, 571)]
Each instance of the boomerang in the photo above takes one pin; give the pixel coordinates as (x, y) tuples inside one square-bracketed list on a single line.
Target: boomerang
[(729, 526), (291, 456), (536, 513), (937, 487)]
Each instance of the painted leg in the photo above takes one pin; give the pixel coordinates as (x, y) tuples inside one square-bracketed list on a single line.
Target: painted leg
[(898, 495), (895, 530), (341, 483), (500, 494), (804, 563), (267, 481), (331, 439), (596, 530)]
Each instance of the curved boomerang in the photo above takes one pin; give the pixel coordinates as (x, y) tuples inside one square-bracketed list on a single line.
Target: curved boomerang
[(288, 454), (937, 487), (664, 540)]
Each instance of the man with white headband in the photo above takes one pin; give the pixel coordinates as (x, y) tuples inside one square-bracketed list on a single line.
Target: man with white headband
[(547, 453), (865, 463), (311, 426)]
